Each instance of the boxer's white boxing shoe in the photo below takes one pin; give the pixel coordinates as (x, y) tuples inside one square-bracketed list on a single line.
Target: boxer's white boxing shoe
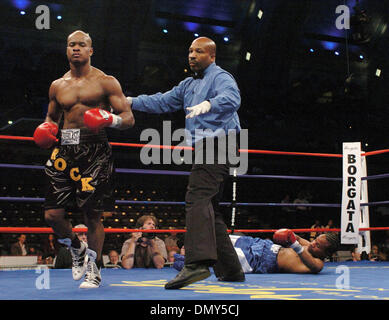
[(79, 258), (92, 275), (80, 261)]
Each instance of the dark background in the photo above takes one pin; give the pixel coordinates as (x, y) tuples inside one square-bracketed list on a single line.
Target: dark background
[(298, 95)]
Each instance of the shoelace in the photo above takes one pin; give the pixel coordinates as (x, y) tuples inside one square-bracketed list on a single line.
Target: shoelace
[(78, 260), (92, 273)]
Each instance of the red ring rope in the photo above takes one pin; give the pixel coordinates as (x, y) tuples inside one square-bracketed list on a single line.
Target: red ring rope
[(141, 145), (122, 230)]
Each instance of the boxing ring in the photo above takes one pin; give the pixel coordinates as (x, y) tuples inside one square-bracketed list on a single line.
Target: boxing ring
[(342, 280), (368, 281)]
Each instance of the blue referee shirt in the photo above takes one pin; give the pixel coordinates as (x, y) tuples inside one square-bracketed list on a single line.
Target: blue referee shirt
[(217, 85)]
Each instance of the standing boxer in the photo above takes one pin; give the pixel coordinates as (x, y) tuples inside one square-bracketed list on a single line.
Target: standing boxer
[(80, 169)]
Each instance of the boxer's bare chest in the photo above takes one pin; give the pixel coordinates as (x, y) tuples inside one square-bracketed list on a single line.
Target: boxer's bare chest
[(73, 92)]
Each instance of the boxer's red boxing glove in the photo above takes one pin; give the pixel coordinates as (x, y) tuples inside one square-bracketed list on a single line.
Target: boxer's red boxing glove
[(45, 135), (96, 119), (287, 238), (284, 237)]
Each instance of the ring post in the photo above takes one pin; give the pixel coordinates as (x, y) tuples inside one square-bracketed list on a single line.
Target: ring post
[(351, 193), (364, 241)]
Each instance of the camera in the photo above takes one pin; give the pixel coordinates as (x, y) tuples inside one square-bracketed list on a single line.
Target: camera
[(147, 235)]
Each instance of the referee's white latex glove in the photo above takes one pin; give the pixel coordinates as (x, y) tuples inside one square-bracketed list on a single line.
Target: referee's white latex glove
[(198, 109)]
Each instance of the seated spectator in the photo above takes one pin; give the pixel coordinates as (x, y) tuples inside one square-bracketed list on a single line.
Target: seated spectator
[(32, 251), (376, 254), (355, 255), (171, 253), (50, 246), (63, 260), (39, 258), (20, 248), (330, 224), (144, 250), (113, 260), (171, 241), (48, 259)]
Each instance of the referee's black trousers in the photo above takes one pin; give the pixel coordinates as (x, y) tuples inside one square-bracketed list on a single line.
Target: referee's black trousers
[(206, 238)]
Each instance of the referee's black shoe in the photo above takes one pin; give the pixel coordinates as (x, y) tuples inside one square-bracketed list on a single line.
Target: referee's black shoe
[(189, 274)]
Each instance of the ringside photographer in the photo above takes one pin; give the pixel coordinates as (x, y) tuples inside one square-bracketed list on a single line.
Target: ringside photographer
[(144, 250)]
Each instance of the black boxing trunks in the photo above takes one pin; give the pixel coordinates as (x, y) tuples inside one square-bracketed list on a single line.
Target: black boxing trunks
[(80, 172)]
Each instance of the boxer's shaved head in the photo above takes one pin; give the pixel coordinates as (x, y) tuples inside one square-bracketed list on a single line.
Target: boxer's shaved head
[(79, 47), (79, 33)]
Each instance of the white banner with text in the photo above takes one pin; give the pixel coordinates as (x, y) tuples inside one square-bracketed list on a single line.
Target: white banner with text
[(351, 193)]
